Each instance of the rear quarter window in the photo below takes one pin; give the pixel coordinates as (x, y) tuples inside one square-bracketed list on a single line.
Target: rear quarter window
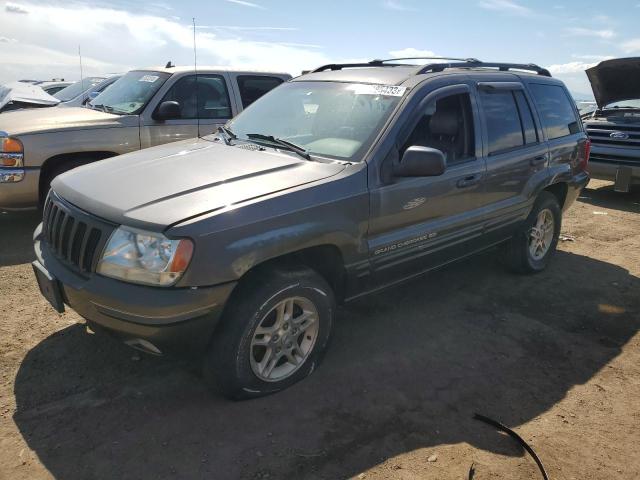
[(556, 110), (252, 87)]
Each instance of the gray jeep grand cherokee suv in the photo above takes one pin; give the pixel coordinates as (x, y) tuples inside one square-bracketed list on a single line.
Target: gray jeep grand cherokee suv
[(334, 185)]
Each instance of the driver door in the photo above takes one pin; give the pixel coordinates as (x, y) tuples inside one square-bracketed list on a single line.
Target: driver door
[(204, 105), (418, 223)]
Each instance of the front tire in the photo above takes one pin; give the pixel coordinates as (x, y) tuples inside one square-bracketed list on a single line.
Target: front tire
[(274, 334), (535, 242)]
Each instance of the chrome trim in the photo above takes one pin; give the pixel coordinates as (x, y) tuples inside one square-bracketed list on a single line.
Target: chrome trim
[(11, 175), (16, 156)]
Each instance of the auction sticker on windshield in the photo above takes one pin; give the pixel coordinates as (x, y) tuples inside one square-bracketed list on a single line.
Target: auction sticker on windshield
[(149, 78), (386, 90)]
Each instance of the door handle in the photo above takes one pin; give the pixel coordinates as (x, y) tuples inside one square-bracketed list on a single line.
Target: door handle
[(538, 160), (468, 181)]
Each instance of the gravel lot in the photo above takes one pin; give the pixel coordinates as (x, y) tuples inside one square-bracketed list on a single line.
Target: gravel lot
[(554, 356)]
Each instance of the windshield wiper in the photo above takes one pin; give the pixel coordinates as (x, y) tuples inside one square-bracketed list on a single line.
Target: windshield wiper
[(227, 134), (281, 143), (106, 108)]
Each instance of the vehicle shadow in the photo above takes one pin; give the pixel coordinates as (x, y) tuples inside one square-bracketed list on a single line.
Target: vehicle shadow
[(16, 237), (605, 196), (406, 369)]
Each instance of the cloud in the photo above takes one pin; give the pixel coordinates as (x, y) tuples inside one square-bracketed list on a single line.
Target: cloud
[(631, 46), (588, 32), (246, 4), (7, 40), (506, 6), (571, 67), (15, 8), (598, 58), (49, 37), (395, 5), (411, 52), (247, 29)]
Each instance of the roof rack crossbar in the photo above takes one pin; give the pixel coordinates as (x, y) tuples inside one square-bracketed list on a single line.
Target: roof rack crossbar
[(503, 67)]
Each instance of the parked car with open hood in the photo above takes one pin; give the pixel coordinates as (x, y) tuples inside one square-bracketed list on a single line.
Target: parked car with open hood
[(614, 127), (141, 109), (20, 95), (343, 181)]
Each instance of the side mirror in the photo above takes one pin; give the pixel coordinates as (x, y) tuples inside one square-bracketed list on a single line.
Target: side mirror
[(167, 111), (421, 162)]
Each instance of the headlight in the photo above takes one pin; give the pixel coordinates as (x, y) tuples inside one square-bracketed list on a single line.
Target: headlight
[(11, 152), (144, 257)]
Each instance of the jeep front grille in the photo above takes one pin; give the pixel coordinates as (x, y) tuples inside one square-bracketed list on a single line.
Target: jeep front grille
[(73, 236)]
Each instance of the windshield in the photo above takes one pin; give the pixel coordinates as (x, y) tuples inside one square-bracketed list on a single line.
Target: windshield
[(75, 89), (331, 119), (130, 93)]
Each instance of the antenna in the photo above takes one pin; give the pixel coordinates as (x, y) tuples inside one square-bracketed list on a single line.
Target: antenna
[(195, 67), (81, 76)]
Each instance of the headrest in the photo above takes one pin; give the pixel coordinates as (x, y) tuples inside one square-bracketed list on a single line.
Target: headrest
[(444, 122)]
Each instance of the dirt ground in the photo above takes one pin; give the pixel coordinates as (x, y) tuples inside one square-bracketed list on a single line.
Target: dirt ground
[(555, 356)]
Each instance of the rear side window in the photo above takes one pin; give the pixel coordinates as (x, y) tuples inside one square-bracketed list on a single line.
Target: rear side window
[(252, 87), (528, 125), (556, 110), (504, 129)]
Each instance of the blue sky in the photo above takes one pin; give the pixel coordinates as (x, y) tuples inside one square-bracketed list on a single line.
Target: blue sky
[(40, 39)]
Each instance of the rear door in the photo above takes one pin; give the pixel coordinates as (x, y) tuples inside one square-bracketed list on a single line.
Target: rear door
[(248, 87), (205, 103), (516, 156), (562, 128), (418, 223)]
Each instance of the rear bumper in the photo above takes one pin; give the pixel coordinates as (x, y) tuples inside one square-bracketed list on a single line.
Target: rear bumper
[(23, 194), (574, 187), (174, 321)]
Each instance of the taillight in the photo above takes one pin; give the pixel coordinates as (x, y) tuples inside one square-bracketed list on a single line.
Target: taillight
[(584, 161)]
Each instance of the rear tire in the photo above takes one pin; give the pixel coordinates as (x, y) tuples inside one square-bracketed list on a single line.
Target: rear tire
[(535, 242), (273, 334)]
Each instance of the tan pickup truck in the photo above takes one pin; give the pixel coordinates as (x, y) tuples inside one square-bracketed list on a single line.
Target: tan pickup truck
[(144, 108)]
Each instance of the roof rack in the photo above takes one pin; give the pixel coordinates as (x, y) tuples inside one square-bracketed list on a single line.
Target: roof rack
[(437, 67), (385, 63), (503, 67)]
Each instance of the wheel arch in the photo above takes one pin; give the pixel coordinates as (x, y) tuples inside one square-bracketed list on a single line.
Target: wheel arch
[(559, 190), (51, 164), (326, 259)]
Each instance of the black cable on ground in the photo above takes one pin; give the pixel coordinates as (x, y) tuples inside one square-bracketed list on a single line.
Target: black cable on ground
[(516, 437)]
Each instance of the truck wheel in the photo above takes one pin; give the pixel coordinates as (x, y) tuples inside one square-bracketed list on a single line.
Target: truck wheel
[(535, 241), (45, 183), (273, 334)]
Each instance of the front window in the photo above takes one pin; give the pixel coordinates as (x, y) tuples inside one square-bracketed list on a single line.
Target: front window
[(129, 94), (338, 120), (75, 89)]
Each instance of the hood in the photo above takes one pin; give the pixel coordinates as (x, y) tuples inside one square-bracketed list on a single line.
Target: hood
[(25, 93), (41, 120), (160, 186), (615, 80)]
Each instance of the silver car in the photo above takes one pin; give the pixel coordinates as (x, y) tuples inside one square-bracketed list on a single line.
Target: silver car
[(143, 108)]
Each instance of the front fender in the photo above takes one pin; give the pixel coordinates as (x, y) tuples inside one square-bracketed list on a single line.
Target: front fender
[(230, 243)]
